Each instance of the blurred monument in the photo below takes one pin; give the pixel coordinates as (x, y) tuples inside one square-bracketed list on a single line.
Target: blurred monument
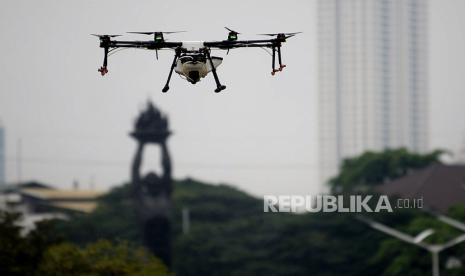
[(152, 192)]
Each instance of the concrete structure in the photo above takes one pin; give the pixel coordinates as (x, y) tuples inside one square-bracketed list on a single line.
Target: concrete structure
[(372, 64)]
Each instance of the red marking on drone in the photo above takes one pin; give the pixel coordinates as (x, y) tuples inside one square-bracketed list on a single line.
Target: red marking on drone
[(103, 70)]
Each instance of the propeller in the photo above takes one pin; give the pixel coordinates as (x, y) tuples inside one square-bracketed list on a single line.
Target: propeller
[(104, 35), (286, 35), (151, 33), (232, 31), (232, 36)]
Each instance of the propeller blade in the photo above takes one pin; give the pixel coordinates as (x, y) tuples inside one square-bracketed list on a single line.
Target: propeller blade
[(289, 36), (174, 32), (105, 35), (292, 34), (145, 33), (151, 33), (286, 34), (231, 30)]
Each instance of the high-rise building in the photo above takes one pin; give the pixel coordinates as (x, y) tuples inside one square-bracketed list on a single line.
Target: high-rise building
[(372, 64), (2, 155)]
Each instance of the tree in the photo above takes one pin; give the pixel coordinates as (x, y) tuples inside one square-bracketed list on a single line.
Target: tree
[(371, 168), (20, 255), (41, 252), (400, 258), (100, 258)]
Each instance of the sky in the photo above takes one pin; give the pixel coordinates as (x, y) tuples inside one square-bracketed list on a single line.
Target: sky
[(69, 124)]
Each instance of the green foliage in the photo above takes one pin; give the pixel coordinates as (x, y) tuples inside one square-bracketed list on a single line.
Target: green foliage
[(278, 244), (40, 252), (115, 217), (213, 204), (230, 235), (372, 168), (100, 258), (20, 255), (114, 220), (402, 259)]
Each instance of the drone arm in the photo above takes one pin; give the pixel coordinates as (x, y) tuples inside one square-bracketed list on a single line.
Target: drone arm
[(274, 44), (151, 45), (107, 43), (226, 44)]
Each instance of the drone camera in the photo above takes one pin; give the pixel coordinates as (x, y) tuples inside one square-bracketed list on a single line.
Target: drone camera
[(194, 76)]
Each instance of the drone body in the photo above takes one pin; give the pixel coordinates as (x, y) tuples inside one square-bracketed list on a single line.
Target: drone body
[(192, 59), (193, 64)]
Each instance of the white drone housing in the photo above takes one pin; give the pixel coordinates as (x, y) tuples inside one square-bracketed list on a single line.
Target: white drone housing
[(192, 45), (195, 66)]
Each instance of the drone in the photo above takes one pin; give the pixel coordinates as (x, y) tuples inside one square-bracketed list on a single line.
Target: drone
[(192, 59)]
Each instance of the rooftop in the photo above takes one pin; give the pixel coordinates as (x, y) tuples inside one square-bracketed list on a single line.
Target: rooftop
[(441, 186), (52, 194)]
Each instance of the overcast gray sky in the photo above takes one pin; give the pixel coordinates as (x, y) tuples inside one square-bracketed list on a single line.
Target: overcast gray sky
[(259, 134)]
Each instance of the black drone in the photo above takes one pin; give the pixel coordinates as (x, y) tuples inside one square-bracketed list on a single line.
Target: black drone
[(192, 59)]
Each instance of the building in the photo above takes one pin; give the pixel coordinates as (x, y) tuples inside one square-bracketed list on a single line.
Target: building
[(460, 154), (2, 156), (372, 64), (440, 186), (36, 202)]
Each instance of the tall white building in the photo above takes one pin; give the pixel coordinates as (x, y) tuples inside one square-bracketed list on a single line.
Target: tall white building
[(373, 65)]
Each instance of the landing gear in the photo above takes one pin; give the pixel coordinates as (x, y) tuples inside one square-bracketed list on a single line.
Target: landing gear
[(103, 70), (219, 87), (281, 65), (176, 56)]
